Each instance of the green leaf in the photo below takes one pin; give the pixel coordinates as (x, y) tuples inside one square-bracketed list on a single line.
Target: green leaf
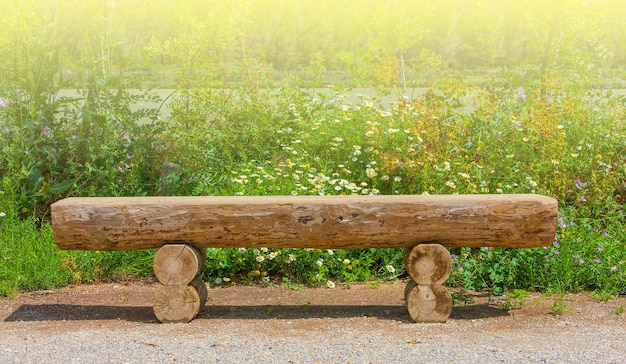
[(63, 186)]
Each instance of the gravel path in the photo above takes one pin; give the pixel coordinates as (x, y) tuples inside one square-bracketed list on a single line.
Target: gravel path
[(110, 324)]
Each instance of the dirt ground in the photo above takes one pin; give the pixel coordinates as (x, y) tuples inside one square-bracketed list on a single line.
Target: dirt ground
[(122, 304)]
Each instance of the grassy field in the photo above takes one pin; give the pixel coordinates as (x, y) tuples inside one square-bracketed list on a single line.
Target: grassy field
[(538, 116), (455, 138)]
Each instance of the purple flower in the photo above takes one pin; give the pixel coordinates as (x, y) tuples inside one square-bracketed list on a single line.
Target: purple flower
[(74, 137), (3, 103), (522, 93), (581, 261), (600, 248), (614, 269), (598, 260), (575, 256), (580, 184), (556, 252), (47, 132)]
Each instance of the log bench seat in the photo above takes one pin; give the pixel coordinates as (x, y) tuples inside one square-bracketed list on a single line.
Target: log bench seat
[(182, 227)]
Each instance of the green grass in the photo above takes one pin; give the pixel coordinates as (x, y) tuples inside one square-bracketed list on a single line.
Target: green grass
[(549, 136), (30, 260)]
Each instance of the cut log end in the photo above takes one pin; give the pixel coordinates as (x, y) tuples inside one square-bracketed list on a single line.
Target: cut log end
[(178, 264), (428, 263), (428, 303), (175, 304)]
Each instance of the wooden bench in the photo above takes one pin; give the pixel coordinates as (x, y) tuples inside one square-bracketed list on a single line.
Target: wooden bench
[(182, 227)]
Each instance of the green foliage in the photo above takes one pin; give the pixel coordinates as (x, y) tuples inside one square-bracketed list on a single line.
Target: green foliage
[(516, 300), (241, 124)]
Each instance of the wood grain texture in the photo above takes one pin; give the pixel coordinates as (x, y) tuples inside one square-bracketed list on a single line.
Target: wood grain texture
[(325, 222), (176, 303), (428, 263), (428, 303), (178, 264)]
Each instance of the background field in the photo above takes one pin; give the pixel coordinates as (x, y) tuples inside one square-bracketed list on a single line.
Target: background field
[(325, 97)]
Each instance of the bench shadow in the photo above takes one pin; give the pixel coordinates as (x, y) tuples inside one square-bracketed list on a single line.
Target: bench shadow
[(144, 314)]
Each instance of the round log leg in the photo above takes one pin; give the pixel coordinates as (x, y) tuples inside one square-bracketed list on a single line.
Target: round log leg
[(176, 303), (202, 252), (177, 264), (429, 303), (200, 287), (428, 263), (410, 284)]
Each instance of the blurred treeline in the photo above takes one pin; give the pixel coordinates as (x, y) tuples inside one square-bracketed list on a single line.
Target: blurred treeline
[(188, 43)]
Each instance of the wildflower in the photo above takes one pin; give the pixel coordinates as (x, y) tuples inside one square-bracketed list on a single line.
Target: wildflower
[(3, 214), (397, 178), (600, 248), (330, 251), (260, 258), (598, 260), (614, 268), (446, 166), (346, 261), (330, 284), (581, 261), (319, 262), (580, 184), (47, 132), (451, 184), (266, 279), (522, 93), (292, 258), (218, 280), (3, 103), (242, 250), (391, 269)]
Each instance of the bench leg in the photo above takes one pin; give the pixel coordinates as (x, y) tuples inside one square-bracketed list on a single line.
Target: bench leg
[(181, 294), (429, 266)]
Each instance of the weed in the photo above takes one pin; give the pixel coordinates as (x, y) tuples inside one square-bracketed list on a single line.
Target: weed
[(559, 306), (516, 299), (462, 297)]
